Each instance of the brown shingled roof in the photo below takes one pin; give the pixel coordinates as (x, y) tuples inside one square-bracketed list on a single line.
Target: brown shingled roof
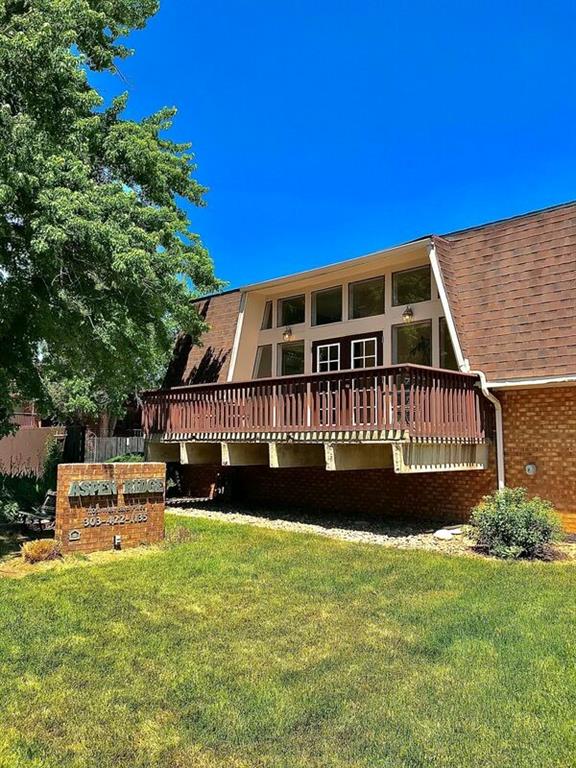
[(511, 286)]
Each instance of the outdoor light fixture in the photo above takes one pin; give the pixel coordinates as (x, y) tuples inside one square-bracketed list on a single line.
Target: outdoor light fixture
[(408, 315), (287, 335)]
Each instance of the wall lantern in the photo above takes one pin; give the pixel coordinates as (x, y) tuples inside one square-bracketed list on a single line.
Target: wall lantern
[(408, 315), (287, 335)]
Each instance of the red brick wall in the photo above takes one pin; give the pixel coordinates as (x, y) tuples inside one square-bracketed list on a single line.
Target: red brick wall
[(443, 496), (72, 513), (540, 428)]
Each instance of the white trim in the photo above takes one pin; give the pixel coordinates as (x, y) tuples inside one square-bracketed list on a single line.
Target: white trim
[(374, 256), (463, 364), (237, 335), (327, 346), (541, 382), (363, 341)]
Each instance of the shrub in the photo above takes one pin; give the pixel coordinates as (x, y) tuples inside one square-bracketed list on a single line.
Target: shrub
[(510, 525), (41, 549), (127, 458)]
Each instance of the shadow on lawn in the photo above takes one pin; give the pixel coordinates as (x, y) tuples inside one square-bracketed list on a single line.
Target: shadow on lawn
[(388, 526), (13, 536)]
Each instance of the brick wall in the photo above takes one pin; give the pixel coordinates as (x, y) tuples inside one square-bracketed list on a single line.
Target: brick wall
[(73, 514), (442, 496), (540, 428)]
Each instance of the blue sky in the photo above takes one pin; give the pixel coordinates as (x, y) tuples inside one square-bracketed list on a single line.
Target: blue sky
[(329, 129)]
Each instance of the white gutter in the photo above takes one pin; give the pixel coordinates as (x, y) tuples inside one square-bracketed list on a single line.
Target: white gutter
[(464, 365), (542, 382)]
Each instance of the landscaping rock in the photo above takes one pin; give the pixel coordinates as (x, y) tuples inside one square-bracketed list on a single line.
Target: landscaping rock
[(378, 531)]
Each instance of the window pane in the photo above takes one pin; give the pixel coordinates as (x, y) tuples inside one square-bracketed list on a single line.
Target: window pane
[(329, 357), (447, 354), (291, 311), (367, 298), (411, 286), (263, 364), (364, 353), (267, 317), (412, 343), (292, 358), (327, 306)]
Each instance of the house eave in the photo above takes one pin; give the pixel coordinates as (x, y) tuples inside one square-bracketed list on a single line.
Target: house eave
[(542, 381)]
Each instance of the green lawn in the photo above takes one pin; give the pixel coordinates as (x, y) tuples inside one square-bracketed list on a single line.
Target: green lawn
[(248, 647)]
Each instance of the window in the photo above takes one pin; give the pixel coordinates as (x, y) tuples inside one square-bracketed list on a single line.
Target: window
[(366, 298), (411, 286), (267, 317), (412, 343), (364, 353), (263, 362), (291, 356), (447, 355), (328, 357), (291, 311), (327, 306)]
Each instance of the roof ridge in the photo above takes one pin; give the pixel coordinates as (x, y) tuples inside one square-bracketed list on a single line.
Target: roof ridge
[(506, 219)]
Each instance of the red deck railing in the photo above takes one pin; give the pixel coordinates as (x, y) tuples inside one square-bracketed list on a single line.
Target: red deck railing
[(425, 402)]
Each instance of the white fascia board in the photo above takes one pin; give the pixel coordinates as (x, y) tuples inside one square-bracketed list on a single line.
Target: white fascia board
[(237, 335), (336, 267), (463, 363), (524, 383)]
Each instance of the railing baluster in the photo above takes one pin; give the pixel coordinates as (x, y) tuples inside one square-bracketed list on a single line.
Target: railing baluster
[(430, 403)]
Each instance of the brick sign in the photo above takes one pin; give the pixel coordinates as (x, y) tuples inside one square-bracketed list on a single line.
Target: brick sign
[(109, 506)]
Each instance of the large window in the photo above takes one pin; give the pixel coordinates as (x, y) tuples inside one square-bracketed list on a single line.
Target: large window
[(263, 362), (291, 358), (411, 286), (328, 357), (364, 353), (447, 354), (267, 316), (366, 298), (412, 343), (327, 306), (292, 310)]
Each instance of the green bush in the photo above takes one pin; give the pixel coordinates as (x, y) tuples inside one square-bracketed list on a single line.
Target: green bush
[(126, 458), (510, 525)]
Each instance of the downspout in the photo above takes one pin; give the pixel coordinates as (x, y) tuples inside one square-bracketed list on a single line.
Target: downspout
[(464, 365), (499, 428)]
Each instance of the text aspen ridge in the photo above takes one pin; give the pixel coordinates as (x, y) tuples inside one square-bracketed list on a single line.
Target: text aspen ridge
[(137, 485)]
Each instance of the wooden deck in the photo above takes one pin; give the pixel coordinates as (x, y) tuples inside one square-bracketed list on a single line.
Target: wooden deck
[(386, 403)]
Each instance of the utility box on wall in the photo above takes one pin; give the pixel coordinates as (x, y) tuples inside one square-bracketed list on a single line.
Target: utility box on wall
[(109, 506)]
